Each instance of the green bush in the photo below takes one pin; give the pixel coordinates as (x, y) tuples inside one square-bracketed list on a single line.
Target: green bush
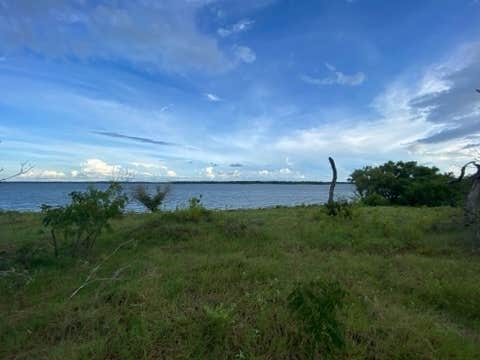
[(151, 202), (315, 305), (405, 183), (374, 199), (194, 212), (79, 223), (340, 208)]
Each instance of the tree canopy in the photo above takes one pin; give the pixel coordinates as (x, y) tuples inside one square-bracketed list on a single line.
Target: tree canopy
[(405, 183)]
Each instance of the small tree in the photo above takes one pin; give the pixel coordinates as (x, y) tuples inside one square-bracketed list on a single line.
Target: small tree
[(405, 183), (151, 202), (81, 222)]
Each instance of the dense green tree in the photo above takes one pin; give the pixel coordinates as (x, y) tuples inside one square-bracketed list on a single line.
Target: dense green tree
[(405, 183)]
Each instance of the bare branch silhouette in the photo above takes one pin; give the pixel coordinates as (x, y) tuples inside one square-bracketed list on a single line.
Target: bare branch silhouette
[(24, 168)]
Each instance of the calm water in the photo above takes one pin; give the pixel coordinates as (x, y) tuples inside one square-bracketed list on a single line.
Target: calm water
[(29, 196)]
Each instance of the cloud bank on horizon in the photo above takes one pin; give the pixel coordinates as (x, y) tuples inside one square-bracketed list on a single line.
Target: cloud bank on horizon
[(236, 90)]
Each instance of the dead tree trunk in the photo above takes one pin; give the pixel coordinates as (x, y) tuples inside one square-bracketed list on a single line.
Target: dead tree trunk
[(334, 180), (472, 203)]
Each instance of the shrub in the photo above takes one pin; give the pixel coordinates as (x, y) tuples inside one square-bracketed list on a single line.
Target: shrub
[(341, 208), (194, 212), (151, 202), (405, 183), (374, 199), (315, 305), (81, 222)]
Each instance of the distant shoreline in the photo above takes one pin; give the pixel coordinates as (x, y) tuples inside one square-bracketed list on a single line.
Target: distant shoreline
[(186, 182)]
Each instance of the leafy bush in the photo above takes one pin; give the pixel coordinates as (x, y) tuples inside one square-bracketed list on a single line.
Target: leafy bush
[(81, 222), (405, 183), (341, 208), (315, 305), (151, 202), (374, 199), (194, 212)]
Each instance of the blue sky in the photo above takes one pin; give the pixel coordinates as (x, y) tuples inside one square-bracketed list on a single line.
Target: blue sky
[(236, 89)]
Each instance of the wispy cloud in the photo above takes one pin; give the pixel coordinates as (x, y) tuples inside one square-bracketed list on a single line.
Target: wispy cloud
[(245, 54), (449, 98), (212, 97), (144, 33), (39, 174), (338, 78), (236, 165), (241, 26), (135, 138), (166, 108)]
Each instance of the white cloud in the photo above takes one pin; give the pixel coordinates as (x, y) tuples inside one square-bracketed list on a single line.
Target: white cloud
[(432, 117), (212, 97), (241, 26), (43, 174), (163, 169), (144, 165), (97, 167), (245, 54), (74, 173), (209, 172), (285, 171), (338, 78), (264, 172)]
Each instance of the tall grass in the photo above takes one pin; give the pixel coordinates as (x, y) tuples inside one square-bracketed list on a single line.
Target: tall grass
[(247, 284)]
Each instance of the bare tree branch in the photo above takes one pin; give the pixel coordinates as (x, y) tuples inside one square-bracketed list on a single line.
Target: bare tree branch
[(91, 276), (462, 172), (24, 168)]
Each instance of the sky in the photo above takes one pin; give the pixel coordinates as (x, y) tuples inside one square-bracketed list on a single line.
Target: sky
[(162, 90)]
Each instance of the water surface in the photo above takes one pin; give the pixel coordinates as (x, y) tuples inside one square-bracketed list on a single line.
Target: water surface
[(30, 196)]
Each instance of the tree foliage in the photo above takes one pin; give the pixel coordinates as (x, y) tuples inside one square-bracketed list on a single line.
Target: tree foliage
[(405, 183), (151, 202), (79, 223)]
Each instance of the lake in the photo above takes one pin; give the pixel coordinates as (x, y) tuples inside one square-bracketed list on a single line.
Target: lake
[(29, 196)]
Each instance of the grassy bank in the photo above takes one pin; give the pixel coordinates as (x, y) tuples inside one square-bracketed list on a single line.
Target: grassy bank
[(217, 286)]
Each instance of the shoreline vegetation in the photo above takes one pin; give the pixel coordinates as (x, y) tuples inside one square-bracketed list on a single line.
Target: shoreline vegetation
[(191, 182), (400, 282), (394, 273)]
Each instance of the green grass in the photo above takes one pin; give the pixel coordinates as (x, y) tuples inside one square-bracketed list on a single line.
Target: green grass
[(216, 286)]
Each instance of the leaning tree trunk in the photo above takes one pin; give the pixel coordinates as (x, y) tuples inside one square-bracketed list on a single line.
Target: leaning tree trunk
[(334, 181), (472, 202)]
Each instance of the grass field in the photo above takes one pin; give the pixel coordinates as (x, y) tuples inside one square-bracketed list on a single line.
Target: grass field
[(217, 286)]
